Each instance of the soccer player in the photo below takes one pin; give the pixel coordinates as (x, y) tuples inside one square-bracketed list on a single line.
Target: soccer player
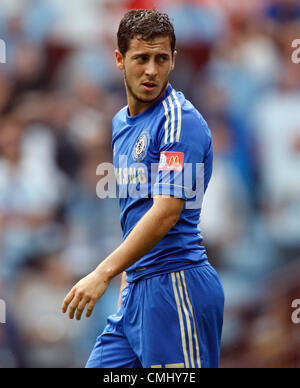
[(171, 303)]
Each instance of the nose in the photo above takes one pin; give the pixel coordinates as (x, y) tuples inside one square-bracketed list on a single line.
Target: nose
[(151, 69)]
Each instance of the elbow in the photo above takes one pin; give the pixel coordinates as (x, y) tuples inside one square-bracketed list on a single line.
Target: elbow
[(173, 219), (169, 220), (168, 211)]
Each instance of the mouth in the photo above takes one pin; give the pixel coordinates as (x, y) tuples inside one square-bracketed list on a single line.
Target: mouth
[(149, 86)]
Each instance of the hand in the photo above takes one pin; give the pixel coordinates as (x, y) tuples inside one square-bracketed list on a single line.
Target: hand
[(87, 291)]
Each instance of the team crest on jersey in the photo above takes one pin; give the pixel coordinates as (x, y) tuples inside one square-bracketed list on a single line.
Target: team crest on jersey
[(141, 147)]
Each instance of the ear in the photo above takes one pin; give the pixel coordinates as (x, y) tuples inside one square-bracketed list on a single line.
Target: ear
[(173, 60), (119, 60)]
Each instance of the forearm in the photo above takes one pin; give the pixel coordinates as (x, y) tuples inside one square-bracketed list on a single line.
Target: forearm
[(152, 227), (123, 285)]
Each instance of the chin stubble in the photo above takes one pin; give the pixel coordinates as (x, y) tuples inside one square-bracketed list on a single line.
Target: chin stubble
[(140, 99)]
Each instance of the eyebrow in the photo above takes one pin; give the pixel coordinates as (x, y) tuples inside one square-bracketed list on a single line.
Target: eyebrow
[(147, 54)]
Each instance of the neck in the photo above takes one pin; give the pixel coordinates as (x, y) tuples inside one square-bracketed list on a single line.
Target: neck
[(137, 107)]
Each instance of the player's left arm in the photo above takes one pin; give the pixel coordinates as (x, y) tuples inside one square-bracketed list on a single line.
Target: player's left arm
[(151, 228)]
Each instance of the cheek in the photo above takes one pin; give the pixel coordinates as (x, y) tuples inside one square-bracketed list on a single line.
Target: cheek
[(167, 69), (134, 71), (138, 70)]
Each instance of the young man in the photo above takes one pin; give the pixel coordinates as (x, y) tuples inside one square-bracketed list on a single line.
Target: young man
[(171, 302)]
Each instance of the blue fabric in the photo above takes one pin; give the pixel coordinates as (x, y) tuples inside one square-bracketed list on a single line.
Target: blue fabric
[(171, 126), (172, 320)]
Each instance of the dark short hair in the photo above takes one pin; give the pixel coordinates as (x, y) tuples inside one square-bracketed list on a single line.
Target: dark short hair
[(146, 23)]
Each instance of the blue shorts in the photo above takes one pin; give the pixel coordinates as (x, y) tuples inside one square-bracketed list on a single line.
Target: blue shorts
[(169, 320)]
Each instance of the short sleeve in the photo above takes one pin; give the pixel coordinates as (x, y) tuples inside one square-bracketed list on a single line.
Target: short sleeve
[(185, 147)]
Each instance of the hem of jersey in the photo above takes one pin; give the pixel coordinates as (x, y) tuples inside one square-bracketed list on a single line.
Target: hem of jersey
[(131, 278), (183, 192)]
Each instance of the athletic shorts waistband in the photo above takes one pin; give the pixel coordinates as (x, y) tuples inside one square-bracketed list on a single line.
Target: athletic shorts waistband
[(135, 276)]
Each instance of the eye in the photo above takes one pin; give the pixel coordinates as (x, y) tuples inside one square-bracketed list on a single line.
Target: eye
[(142, 58), (162, 58)]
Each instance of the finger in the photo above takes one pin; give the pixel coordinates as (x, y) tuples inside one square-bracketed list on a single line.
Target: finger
[(67, 301), (73, 305), (81, 307), (90, 308)]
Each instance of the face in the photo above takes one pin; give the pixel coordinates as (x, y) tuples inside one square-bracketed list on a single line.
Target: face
[(147, 66)]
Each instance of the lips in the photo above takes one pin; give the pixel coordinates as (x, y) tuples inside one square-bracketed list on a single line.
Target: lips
[(148, 85)]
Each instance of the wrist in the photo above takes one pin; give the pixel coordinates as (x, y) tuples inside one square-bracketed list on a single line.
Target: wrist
[(106, 270)]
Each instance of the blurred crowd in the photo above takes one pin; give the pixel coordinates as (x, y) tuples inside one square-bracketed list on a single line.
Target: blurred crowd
[(59, 90)]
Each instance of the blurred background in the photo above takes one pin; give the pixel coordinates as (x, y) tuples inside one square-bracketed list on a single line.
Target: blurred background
[(60, 89)]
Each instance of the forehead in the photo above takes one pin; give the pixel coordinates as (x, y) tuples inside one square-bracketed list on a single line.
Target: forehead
[(159, 44)]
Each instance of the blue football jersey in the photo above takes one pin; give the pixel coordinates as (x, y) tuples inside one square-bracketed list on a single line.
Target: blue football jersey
[(165, 150)]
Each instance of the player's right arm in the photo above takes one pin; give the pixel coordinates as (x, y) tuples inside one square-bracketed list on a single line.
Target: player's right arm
[(150, 229), (123, 285)]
